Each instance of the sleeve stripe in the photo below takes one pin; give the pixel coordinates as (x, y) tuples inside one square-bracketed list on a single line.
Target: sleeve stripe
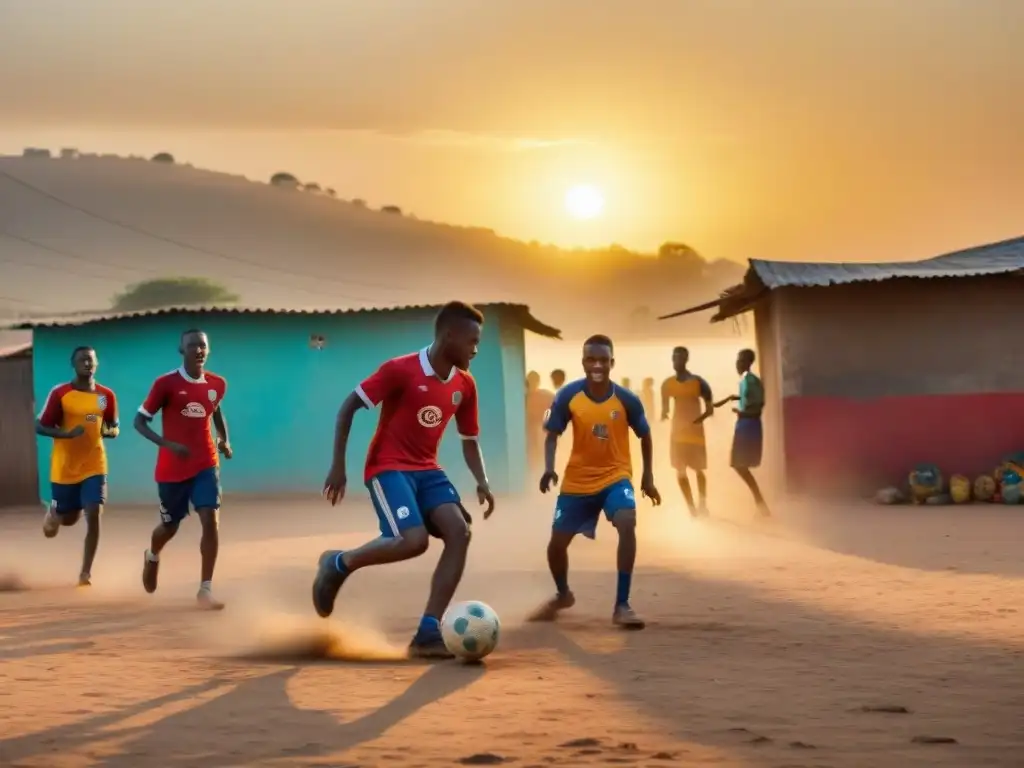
[(363, 396), (470, 437), (145, 413)]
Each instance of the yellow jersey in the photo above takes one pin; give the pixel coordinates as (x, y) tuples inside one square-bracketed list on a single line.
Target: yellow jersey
[(600, 435), (686, 396), (78, 458)]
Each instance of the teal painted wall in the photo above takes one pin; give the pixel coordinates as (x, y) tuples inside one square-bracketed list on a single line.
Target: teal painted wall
[(283, 395)]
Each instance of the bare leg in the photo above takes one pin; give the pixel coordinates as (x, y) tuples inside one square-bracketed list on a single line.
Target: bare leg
[(748, 478), (558, 563), (387, 549), (92, 541), (625, 523), (456, 535), (702, 489), (336, 566), (209, 544), (684, 486), (161, 535)]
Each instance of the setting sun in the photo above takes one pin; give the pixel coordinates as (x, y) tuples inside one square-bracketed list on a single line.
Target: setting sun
[(584, 201)]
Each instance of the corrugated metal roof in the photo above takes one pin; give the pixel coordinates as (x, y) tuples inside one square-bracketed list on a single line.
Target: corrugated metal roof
[(19, 350), (994, 259), (521, 312)]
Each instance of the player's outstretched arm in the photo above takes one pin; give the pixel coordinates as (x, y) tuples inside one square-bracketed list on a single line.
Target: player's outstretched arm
[(474, 457), (220, 424), (337, 476)]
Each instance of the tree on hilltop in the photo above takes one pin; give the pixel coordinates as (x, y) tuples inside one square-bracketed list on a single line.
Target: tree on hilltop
[(394, 210), (284, 179), (163, 157), (171, 292)]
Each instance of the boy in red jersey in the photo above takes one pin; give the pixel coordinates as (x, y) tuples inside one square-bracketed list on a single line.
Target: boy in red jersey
[(79, 415), (414, 499), (187, 473)]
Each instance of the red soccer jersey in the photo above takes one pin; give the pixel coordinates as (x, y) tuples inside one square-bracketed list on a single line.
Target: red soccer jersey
[(416, 406), (187, 405)]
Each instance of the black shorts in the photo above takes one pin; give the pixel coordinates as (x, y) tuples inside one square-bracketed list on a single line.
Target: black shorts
[(689, 456)]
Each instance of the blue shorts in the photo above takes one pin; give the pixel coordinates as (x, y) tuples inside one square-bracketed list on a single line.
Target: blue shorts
[(69, 498), (404, 500), (201, 492), (576, 513), (747, 444)]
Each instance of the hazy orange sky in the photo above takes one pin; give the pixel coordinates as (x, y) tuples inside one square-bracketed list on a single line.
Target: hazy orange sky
[(801, 129)]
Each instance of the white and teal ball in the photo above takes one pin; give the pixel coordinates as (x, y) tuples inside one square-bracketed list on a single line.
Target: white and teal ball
[(470, 630)]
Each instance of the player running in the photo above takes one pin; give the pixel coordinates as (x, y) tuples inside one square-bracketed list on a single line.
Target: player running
[(187, 472), (78, 416), (684, 392), (748, 439), (597, 476), (414, 499)]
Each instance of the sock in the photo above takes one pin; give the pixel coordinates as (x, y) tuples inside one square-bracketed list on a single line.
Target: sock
[(153, 558), (206, 586), (622, 590), (339, 564), (562, 584), (429, 625)]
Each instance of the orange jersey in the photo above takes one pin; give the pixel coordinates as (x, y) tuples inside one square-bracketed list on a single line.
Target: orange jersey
[(686, 397), (600, 435), (77, 458)]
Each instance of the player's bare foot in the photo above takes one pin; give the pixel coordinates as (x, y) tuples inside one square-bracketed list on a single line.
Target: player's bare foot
[(702, 511), (51, 524), (207, 602), (625, 617), (762, 511), (555, 605), (150, 571), (327, 583), (429, 648), (84, 580)]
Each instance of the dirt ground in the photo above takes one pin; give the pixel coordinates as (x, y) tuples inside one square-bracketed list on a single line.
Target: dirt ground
[(831, 637)]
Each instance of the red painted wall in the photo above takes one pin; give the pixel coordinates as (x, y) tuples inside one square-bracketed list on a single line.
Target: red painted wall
[(836, 443)]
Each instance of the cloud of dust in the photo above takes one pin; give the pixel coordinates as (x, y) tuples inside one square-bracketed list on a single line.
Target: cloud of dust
[(269, 635)]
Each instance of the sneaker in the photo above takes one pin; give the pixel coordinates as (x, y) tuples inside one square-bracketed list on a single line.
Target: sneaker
[(207, 602), (429, 645), (625, 617), (327, 583), (51, 524), (555, 605), (150, 570), (84, 580)]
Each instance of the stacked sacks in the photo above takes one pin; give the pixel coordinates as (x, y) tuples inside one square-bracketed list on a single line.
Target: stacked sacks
[(1010, 482), (960, 489), (985, 488), (925, 484)]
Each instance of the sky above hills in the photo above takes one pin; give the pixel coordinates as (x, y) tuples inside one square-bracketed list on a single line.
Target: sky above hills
[(802, 129)]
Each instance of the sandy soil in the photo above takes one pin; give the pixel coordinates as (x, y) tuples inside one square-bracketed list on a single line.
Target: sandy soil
[(834, 637)]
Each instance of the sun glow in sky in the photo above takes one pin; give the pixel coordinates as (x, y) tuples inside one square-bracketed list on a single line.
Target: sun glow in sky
[(584, 201)]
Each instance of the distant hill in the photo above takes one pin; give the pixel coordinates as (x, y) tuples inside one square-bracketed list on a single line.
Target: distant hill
[(75, 230)]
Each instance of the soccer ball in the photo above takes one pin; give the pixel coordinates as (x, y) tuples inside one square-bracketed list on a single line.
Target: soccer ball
[(470, 630)]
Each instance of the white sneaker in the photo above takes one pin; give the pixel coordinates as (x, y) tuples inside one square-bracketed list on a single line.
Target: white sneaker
[(51, 523)]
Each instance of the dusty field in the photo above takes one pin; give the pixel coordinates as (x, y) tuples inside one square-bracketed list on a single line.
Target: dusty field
[(778, 647)]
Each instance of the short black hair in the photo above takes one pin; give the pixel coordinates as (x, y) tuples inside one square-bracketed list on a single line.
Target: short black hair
[(680, 350), (76, 350), (455, 311), (558, 373), (748, 353), (599, 339), (190, 331)]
